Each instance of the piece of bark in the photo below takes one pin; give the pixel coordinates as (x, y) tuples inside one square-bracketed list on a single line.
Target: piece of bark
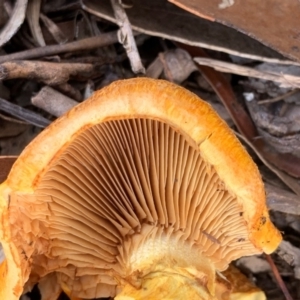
[(23, 114), (15, 21), (162, 19), (57, 34), (52, 101), (33, 17), (48, 72), (291, 255), (177, 64), (155, 69), (282, 200), (126, 37), (285, 80)]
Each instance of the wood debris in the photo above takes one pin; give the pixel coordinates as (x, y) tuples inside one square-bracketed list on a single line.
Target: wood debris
[(55, 54)]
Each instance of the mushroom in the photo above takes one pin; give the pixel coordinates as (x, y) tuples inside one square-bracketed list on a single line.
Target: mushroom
[(234, 285), (142, 192), (242, 288)]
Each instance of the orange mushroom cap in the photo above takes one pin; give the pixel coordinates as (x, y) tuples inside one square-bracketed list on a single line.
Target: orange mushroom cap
[(139, 182)]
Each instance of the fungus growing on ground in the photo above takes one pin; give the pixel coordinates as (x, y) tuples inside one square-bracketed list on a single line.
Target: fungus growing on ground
[(142, 191), (236, 286)]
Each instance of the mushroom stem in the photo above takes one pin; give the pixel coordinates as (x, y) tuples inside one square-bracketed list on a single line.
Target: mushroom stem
[(168, 285), (165, 266)]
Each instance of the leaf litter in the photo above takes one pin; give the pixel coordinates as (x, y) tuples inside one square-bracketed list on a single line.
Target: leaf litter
[(64, 50)]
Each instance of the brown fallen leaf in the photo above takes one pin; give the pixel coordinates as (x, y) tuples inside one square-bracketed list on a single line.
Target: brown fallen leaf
[(291, 255), (259, 19), (15, 21), (279, 199), (168, 21), (57, 34), (33, 17), (177, 65)]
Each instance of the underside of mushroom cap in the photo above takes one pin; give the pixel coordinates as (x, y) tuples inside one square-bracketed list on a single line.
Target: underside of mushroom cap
[(106, 189)]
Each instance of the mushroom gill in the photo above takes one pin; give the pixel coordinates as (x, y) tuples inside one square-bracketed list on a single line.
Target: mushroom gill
[(126, 191)]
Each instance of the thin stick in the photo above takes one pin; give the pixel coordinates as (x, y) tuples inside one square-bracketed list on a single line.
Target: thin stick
[(50, 73), (285, 80), (278, 278), (278, 98), (126, 37), (23, 114), (52, 101), (104, 39), (13, 120)]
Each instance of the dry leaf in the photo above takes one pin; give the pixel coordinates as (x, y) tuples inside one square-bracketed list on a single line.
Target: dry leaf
[(291, 255), (15, 21), (177, 64), (281, 200), (168, 21)]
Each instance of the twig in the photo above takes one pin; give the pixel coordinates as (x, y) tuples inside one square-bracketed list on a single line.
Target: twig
[(155, 68), (278, 278), (48, 72), (14, 22), (52, 101), (126, 37), (100, 60), (33, 17), (23, 114), (286, 80), (278, 98), (13, 120), (104, 39), (54, 30), (172, 31)]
